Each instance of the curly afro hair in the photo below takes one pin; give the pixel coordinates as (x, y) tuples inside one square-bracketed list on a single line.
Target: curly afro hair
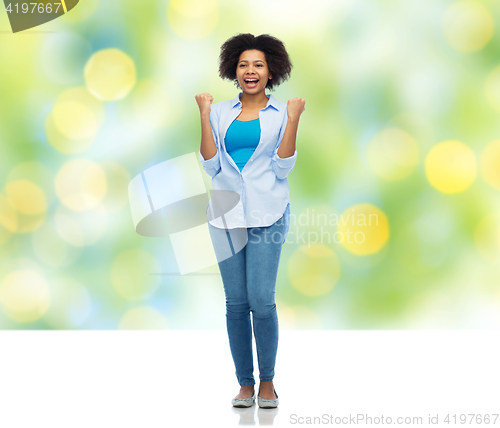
[(277, 58)]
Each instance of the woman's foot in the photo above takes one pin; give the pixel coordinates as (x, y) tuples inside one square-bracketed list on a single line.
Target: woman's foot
[(267, 390), (246, 391)]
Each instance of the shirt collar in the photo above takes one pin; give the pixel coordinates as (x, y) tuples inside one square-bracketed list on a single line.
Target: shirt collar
[(271, 101)]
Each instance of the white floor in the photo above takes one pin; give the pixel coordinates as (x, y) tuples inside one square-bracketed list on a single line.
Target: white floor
[(186, 378)]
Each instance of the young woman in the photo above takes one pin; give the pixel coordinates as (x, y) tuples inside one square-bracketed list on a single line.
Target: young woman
[(248, 148)]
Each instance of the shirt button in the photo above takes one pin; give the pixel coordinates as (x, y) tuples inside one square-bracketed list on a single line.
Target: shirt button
[(251, 160)]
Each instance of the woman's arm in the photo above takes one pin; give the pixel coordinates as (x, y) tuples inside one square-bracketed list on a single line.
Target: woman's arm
[(209, 155), (295, 107), (208, 148), (287, 147), (284, 158)]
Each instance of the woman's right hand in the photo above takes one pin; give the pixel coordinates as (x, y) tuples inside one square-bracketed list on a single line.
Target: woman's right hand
[(204, 100)]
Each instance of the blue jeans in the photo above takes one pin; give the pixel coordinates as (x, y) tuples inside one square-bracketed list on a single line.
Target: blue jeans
[(249, 279)]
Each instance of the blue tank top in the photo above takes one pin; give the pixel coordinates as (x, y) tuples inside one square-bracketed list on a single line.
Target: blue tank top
[(242, 138)]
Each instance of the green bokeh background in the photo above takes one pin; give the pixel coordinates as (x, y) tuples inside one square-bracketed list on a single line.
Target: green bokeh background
[(361, 66)]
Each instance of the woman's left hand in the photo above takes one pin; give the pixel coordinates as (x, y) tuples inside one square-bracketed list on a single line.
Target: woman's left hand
[(295, 107)]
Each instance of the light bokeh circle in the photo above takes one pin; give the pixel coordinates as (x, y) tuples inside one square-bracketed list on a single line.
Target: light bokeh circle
[(313, 270), (468, 26), (363, 229), (24, 295), (110, 74), (450, 167), (192, 19), (490, 164), (26, 197), (81, 184), (26, 208), (74, 121), (392, 154)]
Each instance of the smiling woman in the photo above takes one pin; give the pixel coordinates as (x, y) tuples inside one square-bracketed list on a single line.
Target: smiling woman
[(248, 148), (265, 53)]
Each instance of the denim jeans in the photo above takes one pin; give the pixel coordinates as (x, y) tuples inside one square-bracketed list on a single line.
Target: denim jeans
[(249, 279)]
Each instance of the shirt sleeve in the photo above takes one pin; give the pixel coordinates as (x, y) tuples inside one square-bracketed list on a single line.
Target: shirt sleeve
[(212, 165), (283, 166)]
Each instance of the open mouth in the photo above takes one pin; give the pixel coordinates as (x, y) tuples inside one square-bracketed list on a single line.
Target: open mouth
[(251, 83)]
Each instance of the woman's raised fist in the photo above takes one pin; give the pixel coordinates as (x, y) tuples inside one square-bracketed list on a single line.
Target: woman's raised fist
[(295, 107), (204, 100)]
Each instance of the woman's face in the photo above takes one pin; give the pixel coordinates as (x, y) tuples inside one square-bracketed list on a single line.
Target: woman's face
[(252, 65)]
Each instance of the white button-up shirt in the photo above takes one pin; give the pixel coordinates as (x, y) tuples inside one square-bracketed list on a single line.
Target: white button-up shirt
[(262, 185)]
